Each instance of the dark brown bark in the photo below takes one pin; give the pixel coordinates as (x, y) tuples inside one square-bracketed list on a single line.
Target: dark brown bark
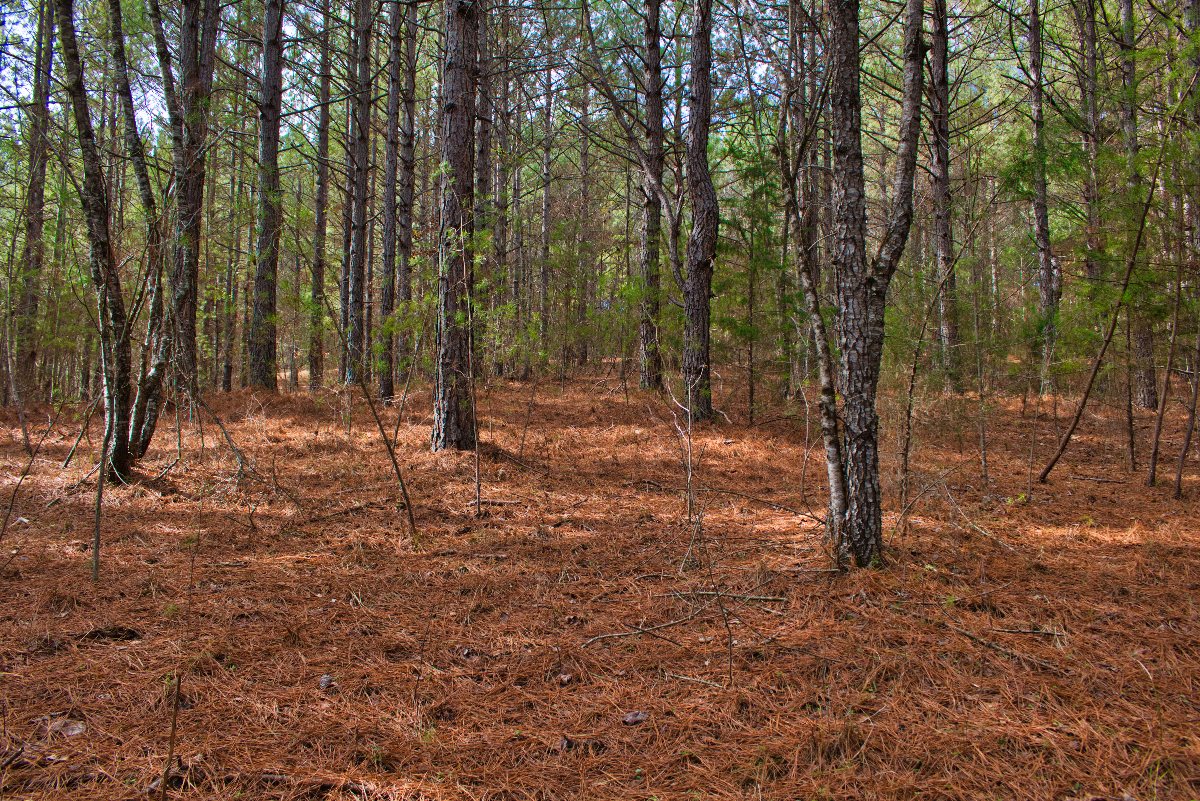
[(453, 426), (102, 262), (391, 169), (197, 55), (649, 357), (263, 356), (702, 241), (148, 398), (861, 285), (356, 278)]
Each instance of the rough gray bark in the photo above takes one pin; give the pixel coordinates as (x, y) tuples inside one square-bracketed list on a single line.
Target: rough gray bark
[(453, 426), (34, 248), (316, 319), (263, 357), (649, 358), (861, 285), (702, 241), (93, 196)]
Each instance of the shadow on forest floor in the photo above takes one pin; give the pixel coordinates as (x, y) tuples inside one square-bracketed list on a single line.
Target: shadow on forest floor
[(579, 639)]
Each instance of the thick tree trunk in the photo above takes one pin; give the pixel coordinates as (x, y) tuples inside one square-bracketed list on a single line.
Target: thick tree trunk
[(862, 286), (316, 316), (197, 54), (453, 426), (263, 357), (114, 332), (702, 242)]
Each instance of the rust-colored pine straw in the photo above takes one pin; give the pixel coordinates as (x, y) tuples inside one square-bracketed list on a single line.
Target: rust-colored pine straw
[(1040, 647)]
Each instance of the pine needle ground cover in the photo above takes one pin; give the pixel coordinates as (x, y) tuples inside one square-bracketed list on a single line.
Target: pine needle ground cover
[(575, 635)]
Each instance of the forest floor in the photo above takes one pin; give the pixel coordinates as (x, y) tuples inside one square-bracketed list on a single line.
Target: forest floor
[(580, 638)]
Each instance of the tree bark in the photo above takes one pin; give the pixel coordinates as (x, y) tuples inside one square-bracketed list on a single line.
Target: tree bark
[(939, 104), (702, 241), (263, 356), (453, 426), (650, 359), (862, 286), (114, 333), (316, 315), (1145, 383), (33, 252), (356, 278), (1049, 274), (391, 169)]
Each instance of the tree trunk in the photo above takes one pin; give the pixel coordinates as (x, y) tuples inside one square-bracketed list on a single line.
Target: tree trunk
[(356, 287), (148, 398), (33, 253), (263, 358), (408, 168), (939, 103), (453, 426), (649, 358), (1049, 276), (391, 168), (1145, 382), (316, 315), (702, 241), (115, 353), (197, 54), (862, 286)]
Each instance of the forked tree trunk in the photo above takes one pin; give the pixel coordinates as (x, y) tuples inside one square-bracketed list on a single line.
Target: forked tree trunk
[(862, 285), (143, 416), (102, 262)]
